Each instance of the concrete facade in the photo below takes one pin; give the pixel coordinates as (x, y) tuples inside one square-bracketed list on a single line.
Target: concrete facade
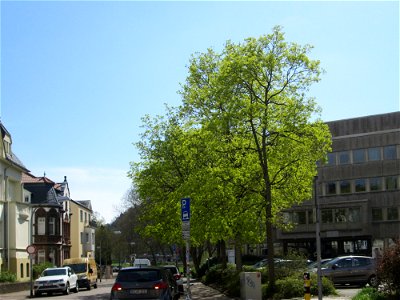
[(358, 192)]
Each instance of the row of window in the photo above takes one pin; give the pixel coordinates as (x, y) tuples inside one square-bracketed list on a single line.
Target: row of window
[(361, 185), (340, 215), (385, 214), (87, 216), (21, 269), (358, 156)]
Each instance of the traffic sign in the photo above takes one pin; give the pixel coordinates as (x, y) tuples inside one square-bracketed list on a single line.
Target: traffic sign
[(185, 209), (31, 249)]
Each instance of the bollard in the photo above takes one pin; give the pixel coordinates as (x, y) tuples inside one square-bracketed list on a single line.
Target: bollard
[(307, 286)]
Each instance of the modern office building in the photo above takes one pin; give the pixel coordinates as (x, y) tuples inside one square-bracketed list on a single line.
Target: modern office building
[(358, 192)]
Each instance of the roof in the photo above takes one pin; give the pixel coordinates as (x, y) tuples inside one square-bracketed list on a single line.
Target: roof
[(43, 190), (29, 178), (11, 157)]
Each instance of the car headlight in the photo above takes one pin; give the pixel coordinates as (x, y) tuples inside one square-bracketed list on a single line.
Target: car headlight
[(82, 276), (60, 281)]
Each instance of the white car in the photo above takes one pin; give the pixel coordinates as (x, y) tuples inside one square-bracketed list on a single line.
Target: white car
[(53, 280)]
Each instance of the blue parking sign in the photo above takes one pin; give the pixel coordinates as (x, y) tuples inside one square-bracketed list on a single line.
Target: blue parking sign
[(185, 209)]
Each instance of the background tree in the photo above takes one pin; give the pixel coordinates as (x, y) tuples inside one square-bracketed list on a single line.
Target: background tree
[(256, 91)]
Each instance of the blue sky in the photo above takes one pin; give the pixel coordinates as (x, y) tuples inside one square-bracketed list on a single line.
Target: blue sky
[(77, 77)]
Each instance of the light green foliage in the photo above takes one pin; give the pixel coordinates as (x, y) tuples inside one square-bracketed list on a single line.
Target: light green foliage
[(243, 146)]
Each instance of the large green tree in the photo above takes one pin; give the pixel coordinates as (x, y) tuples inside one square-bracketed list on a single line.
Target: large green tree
[(255, 91)]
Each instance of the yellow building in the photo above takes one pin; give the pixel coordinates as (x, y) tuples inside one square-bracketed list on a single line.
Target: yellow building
[(14, 211), (82, 229)]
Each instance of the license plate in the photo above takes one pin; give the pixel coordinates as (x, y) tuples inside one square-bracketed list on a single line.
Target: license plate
[(138, 291)]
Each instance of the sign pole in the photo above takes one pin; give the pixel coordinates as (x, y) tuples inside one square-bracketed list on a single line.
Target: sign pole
[(185, 215), (188, 293), (31, 249)]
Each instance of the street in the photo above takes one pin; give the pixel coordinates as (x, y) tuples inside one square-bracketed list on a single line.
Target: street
[(199, 291), (102, 292)]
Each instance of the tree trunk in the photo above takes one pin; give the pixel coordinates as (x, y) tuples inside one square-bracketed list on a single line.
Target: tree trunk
[(238, 255)]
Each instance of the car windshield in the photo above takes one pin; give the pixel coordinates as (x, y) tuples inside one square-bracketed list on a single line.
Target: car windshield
[(323, 263), (173, 270), (138, 275), (53, 272), (78, 268)]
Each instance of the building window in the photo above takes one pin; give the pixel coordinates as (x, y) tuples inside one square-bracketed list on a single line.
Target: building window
[(391, 183), (41, 226), (345, 187), (331, 188), (374, 154), (85, 217), (340, 215), (344, 157), (326, 216), (27, 270), (359, 156), (377, 214), (389, 152), (354, 215), (392, 213), (81, 215), (360, 185), (52, 226), (310, 216), (299, 217), (331, 159), (21, 268), (41, 256), (375, 184)]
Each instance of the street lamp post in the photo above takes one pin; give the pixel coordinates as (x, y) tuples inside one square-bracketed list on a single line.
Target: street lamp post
[(101, 269), (132, 256), (318, 238)]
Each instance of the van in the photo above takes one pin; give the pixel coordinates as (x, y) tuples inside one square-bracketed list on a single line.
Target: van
[(141, 262), (85, 268)]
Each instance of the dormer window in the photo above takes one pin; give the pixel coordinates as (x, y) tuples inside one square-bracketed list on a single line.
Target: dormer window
[(7, 147)]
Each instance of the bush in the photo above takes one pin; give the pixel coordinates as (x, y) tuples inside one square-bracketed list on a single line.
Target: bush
[(226, 280), (7, 276), (293, 286), (388, 269), (38, 269), (369, 293)]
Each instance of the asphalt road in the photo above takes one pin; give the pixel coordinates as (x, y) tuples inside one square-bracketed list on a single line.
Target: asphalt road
[(199, 291)]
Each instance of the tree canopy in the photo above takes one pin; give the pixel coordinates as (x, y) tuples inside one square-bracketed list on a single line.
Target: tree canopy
[(243, 145)]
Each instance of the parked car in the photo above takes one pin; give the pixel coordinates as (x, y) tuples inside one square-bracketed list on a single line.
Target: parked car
[(141, 262), (314, 265), (144, 283), (351, 269), (56, 280), (178, 277), (116, 269)]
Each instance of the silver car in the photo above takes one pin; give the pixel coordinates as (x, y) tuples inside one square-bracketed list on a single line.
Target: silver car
[(351, 269)]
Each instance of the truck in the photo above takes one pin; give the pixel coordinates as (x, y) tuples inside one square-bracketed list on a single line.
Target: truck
[(85, 268)]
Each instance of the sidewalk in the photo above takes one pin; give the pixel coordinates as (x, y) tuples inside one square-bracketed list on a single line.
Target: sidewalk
[(201, 291)]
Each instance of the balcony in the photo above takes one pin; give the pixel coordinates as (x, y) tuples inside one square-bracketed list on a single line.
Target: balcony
[(47, 239)]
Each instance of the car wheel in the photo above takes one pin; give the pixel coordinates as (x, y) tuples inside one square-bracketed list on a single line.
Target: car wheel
[(95, 285), (76, 290), (66, 292), (38, 294), (89, 287), (373, 281)]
